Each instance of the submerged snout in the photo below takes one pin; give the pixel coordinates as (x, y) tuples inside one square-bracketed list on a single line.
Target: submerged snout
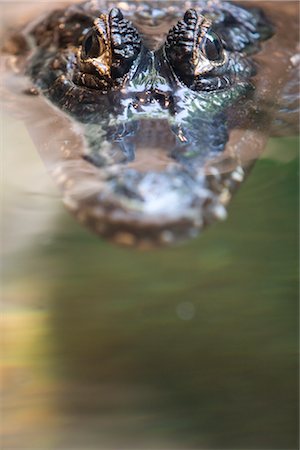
[(144, 208)]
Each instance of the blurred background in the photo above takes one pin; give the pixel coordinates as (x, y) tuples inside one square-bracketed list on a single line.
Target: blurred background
[(189, 347)]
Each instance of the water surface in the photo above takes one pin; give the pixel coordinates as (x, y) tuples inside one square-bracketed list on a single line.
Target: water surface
[(189, 347)]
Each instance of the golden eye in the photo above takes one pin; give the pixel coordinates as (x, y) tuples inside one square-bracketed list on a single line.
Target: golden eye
[(107, 52), (92, 46)]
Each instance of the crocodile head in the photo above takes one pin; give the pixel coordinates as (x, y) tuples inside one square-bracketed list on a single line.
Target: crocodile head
[(151, 90)]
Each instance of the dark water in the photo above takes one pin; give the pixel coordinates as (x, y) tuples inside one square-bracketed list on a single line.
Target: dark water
[(192, 347)]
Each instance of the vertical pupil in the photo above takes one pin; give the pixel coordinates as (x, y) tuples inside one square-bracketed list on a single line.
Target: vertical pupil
[(212, 47), (91, 46)]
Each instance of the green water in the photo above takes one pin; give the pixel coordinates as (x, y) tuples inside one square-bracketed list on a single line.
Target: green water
[(193, 347)]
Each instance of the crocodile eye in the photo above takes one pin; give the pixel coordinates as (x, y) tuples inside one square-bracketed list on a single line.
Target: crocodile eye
[(212, 47), (107, 53), (92, 47), (195, 52)]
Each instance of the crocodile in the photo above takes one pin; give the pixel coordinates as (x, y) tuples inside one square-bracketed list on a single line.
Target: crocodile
[(162, 96)]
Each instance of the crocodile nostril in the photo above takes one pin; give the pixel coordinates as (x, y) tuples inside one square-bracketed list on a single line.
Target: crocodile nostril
[(163, 99)]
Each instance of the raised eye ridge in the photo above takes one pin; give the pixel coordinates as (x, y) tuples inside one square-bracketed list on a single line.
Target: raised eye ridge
[(108, 52), (193, 49)]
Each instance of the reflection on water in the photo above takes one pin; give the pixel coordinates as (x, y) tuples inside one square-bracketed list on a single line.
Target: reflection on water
[(191, 347)]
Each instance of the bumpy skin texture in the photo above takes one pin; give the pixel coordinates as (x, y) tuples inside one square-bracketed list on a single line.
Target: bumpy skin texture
[(58, 65), (101, 67)]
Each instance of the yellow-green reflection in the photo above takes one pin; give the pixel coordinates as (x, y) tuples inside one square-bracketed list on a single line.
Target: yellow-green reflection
[(190, 347)]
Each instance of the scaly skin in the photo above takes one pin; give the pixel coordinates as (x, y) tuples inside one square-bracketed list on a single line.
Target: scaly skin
[(122, 74)]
